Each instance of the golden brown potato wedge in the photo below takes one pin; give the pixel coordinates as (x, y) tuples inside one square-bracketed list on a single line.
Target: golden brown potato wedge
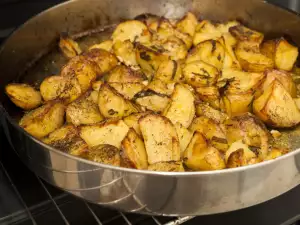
[(205, 31), (23, 95), (276, 152), (184, 136), (125, 52), (276, 107), (133, 152), (210, 95), (243, 33), (187, 24), (123, 74), (147, 18), (105, 153), (132, 121), (72, 90), (133, 30), (268, 48), (211, 51), (104, 59), (230, 60), (110, 132), (199, 74), (239, 103), (211, 131), (297, 101), (173, 47), (127, 90), (68, 46), (42, 121), (169, 71), (200, 156), (250, 130), (203, 109), (239, 154), (96, 85), (171, 166), (161, 87), (285, 55), (112, 104), (83, 70), (152, 101), (160, 137), (52, 87), (105, 45), (83, 111), (182, 107)]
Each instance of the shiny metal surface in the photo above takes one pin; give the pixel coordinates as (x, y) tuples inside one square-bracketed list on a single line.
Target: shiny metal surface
[(191, 193)]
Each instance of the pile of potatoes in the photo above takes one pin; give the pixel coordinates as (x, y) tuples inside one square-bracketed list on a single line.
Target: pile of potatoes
[(167, 95)]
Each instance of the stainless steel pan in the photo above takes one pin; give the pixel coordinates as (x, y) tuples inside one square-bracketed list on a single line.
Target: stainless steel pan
[(190, 193)]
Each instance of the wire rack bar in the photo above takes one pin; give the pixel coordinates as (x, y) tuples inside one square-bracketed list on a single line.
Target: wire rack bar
[(156, 221), (180, 220), (18, 194), (125, 218), (93, 213)]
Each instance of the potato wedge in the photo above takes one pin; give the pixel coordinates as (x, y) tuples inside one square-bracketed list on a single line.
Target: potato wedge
[(210, 95), (276, 152), (68, 46), (42, 121), (211, 131), (113, 105), (184, 136), (276, 107), (285, 55), (243, 33), (230, 60), (239, 103), (200, 156), (83, 70), (203, 109), (250, 130), (187, 24), (161, 87), (104, 59), (160, 137), (123, 74), (132, 121), (96, 85), (133, 30), (133, 152), (83, 111), (52, 87), (105, 45), (23, 95), (239, 154), (199, 74), (125, 52), (147, 18), (173, 47), (71, 91), (127, 90), (152, 101), (267, 48), (110, 132), (169, 71), (211, 52), (106, 154), (182, 106), (205, 31), (171, 166)]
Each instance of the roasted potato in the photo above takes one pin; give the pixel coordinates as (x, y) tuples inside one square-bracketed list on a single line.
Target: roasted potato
[(23, 95), (199, 74), (160, 137), (245, 34), (125, 52), (71, 90), (268, 48), (105, 153), (171, 166), (52, 87), (96, 85), (250, 130), (127, 90), (200, 156), (276, 152), (285, 55), (211, 52), (230, 60), (112, 104), (133, 152), (239, 154), (132, 121), (68, 46), (105, 45), (210, 95), (104, 59), (203, 109), (123, 74), (133, 30), (181, 108), (237, 104), (276, 107), (83, 111), (212, 131), (169, 71), (173, 47), (205, 31), (42, 121), (152, 101), (110, 132), (161, 87), (184, 136), (187, 24)]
